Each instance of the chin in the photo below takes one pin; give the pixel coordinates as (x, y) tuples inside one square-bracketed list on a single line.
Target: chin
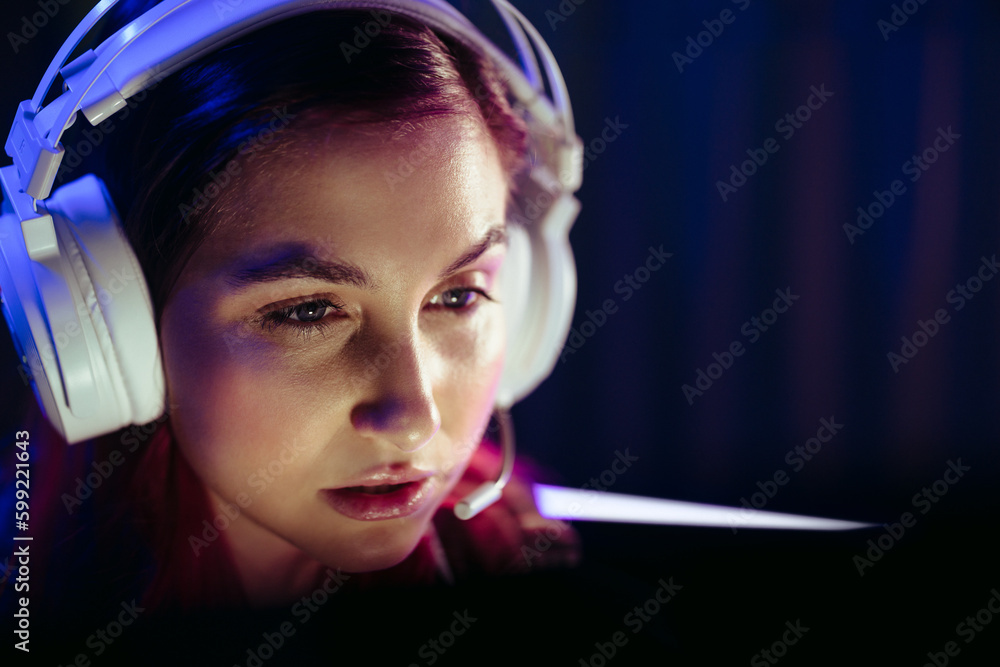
[(381, 549)]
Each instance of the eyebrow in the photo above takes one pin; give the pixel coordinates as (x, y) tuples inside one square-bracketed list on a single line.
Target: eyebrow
[(494, 235), (299, 263)]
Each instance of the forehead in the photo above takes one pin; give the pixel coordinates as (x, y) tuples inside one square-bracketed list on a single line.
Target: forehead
[(361, 191)]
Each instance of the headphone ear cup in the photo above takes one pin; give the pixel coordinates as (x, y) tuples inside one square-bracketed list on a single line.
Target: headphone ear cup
[(79, 311), (538, 289), (114, 309), (515, 295)]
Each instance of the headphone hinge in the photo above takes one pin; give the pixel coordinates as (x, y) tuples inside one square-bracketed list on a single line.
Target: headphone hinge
[(103, 99), (36, 164)]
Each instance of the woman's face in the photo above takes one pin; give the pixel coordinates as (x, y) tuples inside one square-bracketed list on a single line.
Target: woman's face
[(331, 354)]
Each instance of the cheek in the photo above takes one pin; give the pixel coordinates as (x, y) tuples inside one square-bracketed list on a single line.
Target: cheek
[(232, 406), (473, 363)]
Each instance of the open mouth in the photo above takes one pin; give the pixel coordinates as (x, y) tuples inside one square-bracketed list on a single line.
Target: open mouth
[(379, 490), (381, 501)]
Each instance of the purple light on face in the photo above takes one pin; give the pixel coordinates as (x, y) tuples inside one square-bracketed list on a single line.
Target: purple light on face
[(556, 502)]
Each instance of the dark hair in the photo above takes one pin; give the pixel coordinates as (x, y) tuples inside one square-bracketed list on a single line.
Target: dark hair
[(307, 68)]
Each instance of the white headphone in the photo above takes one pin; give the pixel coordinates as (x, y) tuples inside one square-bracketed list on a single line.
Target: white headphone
[(74, 295)]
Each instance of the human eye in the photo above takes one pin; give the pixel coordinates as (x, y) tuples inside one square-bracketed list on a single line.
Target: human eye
[(306, 315), (461, 300)]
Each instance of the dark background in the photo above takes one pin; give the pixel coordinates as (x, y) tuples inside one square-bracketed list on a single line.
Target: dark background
[(656, 185)]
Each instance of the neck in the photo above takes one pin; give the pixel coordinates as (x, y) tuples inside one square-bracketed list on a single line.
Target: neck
[(271, 571)]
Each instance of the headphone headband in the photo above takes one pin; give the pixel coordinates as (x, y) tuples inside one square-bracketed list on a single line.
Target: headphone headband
[(175, 33)]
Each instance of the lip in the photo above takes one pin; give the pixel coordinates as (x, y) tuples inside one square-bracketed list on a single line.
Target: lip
[(382, 494)]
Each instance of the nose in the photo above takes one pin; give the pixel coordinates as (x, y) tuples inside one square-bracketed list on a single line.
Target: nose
[(398, 404)]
